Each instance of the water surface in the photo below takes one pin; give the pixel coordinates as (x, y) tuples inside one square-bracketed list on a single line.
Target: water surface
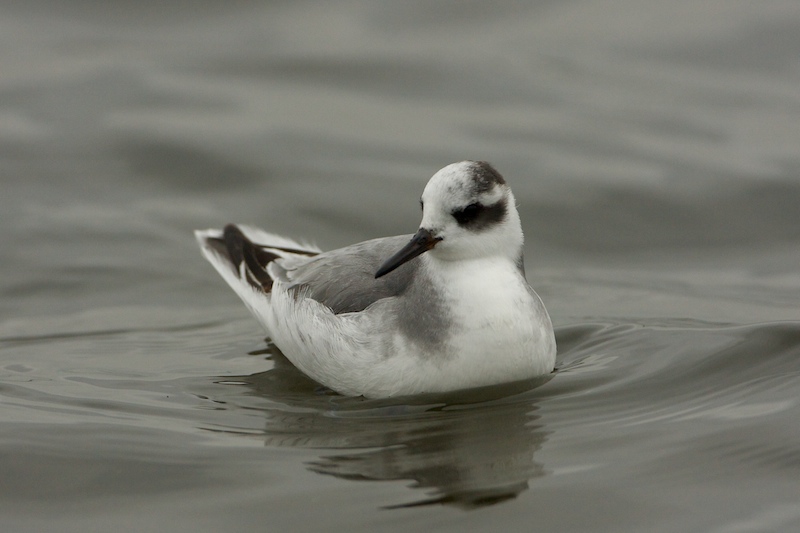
[(653, 150)]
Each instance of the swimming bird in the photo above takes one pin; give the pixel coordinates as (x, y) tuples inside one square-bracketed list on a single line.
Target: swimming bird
[(445, 309)]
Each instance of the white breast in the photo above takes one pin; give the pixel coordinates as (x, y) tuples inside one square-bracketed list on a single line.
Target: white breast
[(501, 330)]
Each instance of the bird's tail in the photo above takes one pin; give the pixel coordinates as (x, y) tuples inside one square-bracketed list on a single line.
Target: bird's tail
[(241, 254)]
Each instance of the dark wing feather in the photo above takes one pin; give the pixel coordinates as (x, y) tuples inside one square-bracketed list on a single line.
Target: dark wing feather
[(343, 279)]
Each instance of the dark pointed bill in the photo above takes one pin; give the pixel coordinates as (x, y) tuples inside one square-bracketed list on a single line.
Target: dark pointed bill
[(421, 242)]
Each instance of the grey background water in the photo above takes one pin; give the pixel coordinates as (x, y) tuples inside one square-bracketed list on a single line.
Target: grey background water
[(654, 149)]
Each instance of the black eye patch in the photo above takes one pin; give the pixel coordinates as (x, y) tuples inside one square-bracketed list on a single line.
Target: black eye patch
[(468, 214), (476, 217)]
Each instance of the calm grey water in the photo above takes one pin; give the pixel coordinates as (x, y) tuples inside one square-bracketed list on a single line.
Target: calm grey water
[(654, 149)]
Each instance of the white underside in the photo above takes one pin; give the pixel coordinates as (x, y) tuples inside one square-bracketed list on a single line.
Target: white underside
[(500, 332)]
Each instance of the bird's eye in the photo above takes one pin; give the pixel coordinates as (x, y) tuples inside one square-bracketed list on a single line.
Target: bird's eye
[(468, 214), (422, 205)]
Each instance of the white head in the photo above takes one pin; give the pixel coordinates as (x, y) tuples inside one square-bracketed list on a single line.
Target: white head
[(468, 212)]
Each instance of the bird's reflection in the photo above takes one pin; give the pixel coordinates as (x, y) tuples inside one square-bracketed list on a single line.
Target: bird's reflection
[(466, 452)]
